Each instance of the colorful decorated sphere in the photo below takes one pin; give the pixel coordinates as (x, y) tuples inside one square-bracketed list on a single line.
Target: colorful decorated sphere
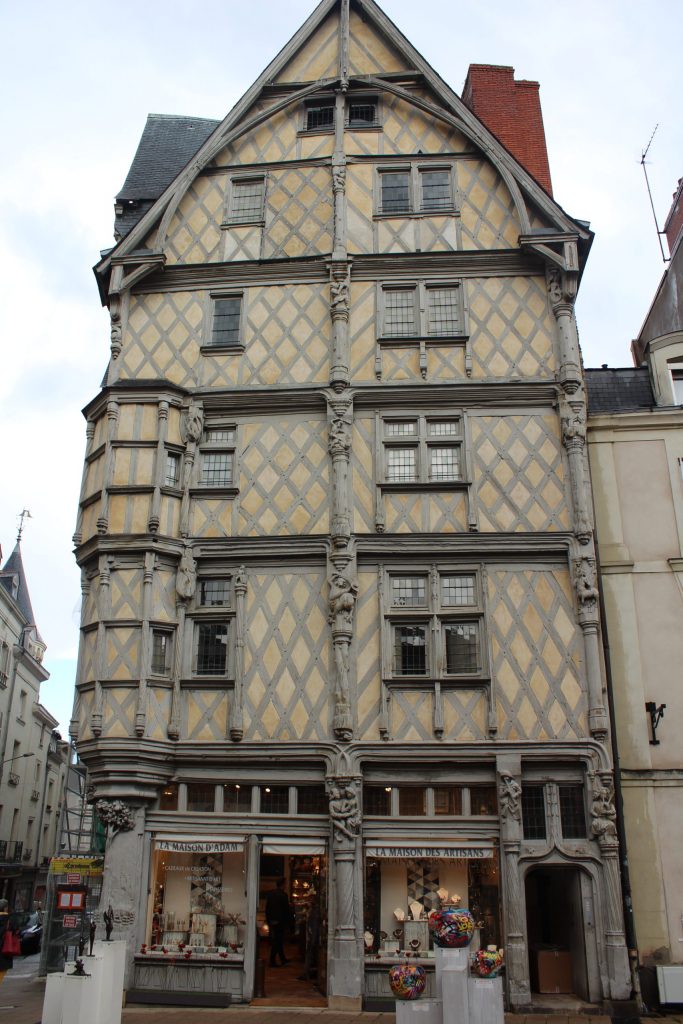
[(407, 980), (452, 927), (487, 962)]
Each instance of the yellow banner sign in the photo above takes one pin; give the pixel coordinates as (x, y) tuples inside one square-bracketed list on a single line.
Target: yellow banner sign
[(85, 866)]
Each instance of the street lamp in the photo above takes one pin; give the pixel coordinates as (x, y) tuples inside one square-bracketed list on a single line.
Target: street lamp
[(18, 757)]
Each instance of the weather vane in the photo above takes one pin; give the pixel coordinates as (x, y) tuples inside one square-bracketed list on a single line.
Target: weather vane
[(25, 514)]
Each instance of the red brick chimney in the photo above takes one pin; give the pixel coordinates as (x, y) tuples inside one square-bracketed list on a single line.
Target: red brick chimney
[(512, 111)]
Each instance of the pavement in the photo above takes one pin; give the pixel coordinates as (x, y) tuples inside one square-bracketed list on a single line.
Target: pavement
[(21, 1002)]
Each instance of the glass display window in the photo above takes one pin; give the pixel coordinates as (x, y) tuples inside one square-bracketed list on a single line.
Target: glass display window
[(198, 898)]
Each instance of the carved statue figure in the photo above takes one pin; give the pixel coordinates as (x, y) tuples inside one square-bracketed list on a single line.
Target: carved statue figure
[(186, 580), (509, 793), (584, 581), (193, 423), (338, 179), (115, 815), (574, 425), (554, 282), (339, 440), (343, 593), (603, 811), (116, 338), (339, 291), (344, 811), (108, 918)]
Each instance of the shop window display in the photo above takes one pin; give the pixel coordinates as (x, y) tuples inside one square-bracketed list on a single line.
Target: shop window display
[(201, 796), (236, 797)]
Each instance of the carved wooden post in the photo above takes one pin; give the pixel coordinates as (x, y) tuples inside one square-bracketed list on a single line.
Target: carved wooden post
[(343, 592), (340, 284), (75, 715), (115, 338), (516, 956), (340, 424), (604, 829), (191, 428), (186, 583), (89, 434), (103, 615), (573, 418), (587, 600), (108, 471), (146, 645), (562, 288), (236, 710), (160, 467), (346, 966)]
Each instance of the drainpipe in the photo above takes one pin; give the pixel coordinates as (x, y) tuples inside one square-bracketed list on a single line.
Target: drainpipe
[(629, 923)]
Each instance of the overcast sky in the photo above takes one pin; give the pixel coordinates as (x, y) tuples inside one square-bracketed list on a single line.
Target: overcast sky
[(78, 80)]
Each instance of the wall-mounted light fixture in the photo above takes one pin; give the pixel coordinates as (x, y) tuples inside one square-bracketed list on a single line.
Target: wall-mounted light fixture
[(656, 714)]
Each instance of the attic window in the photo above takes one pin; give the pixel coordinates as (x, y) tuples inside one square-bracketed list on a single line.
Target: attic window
[(320, 116), (247, 200), (363, 113)]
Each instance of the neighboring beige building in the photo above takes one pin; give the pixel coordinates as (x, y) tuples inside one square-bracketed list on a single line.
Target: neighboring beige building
[(635, 435), (340, 620), (32, 753)]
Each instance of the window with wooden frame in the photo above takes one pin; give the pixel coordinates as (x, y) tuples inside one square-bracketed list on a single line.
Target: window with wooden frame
[(213, 623), (362, 112), (414, 189), (434, 624), (246, 200), (172, 470), (217, 458), (421, 309), (419, 450), (162, 640), (226, 323), (319, 115)]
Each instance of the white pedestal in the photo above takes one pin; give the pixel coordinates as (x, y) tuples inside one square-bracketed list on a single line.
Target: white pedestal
[(52, 1002), (449, 960), (418, 1011), (112, 955), (80, 1001), (486, 1000)]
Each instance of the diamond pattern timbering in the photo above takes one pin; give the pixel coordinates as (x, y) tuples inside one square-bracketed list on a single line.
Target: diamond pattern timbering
[(123, 652), (164, 602), (488, 216), (363, 476), (368, 657), (362, 329), (408, 130), (425, 513), (204, 715), (369, 53), (158, 712), (83, 712), (126, 593), (536, 652), (163, 336), (284, 478), (318, 58), (119, 711), (411, 714), (194, 234), (271, 141), (298, 212), (518, 473), (287, 671), (243, 242), (511, 327), (287, 338), (88, 656)]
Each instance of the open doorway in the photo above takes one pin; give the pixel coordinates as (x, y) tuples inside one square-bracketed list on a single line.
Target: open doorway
[(556, 930), (292, 954)]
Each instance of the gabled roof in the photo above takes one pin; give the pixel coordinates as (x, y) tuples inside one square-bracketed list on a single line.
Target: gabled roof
[(618, 390), (13, 577), (451, 110), (167, 143)]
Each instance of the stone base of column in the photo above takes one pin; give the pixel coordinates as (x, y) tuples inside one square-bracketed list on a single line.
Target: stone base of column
[(618, 968), (345, 984)]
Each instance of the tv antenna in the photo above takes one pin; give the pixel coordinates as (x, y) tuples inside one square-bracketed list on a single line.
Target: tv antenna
[(652, 205)]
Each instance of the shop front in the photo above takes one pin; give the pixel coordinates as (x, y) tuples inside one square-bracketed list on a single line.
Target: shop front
[(407, 879)]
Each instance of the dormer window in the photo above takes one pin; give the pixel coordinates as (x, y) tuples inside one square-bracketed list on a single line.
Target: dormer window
[(320, 116), (677, 383)]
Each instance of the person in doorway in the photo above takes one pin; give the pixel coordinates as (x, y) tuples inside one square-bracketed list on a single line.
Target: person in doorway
[(278, 916), (6, 959)]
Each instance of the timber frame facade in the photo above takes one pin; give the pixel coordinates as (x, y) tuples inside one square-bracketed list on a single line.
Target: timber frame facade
[(336, 538)]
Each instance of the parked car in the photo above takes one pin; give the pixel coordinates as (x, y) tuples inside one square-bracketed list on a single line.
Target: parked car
[(31, 933)]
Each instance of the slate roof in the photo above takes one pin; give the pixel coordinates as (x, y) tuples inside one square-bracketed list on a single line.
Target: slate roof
[(167, 144), (617, 390), (14, 567)]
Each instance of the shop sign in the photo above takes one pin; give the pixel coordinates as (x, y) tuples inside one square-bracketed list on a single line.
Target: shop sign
[(73, 878), (442, 852), (70, 921), (200, 845), (82, 865)]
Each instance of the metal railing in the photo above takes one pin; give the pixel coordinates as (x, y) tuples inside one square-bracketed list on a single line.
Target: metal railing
[(10, 852)]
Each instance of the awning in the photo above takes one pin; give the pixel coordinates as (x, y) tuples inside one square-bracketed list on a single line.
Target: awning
[(199, 844), (431, 850), (293, 847)]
